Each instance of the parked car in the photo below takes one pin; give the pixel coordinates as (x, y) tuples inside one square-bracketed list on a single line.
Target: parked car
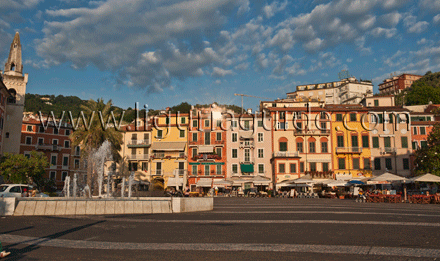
[(13, 190)]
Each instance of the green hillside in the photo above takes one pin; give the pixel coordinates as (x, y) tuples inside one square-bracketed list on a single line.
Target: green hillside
[(422, 91)]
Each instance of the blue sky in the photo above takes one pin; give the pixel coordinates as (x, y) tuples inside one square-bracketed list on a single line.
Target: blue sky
[(163, 52)]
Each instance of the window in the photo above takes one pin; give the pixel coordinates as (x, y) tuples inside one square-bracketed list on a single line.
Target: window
[(340, 141), (422, 131), (194, 150), (260, 123), (234, 124), (194, 138), (341, 163), (313, 166), (67, 132), (206, 123), (405, 164), (282, 115), (41, 129), (367, 164), (387, 142), (55, 131), (247, 155), (182, 133), (40, 141), (284, 126), (66, 161), (53, 160), (260, 153), (27, 155), (234, 168), (338, 117), (55, 142), (415, 145), (404, 141), (144, 166), (76, 163), (219, 136), (260, 168), (182, 120), (207, 138), (67, 144), (390, 117), (324, 147), (234, 153), (206, 170), (388, 164), (301, 167), (376, 142), (63, 175), (260, 137), (323, 127), (355, 163), (133, 166), (219, 169), (52, 175), (312, 148), (292, 168), (376, 103), (194, 170), (28, 140), (218, 151), (324, 166), (159, 134), (281, 168), (352, 116), (365, 142), (423, 144), (195, 124), (354, 141), (234, 137), (283, 146), (415, 130), (299, 147), (29, 128)]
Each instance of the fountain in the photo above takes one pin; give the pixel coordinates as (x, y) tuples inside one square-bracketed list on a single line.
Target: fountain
[(99, 157), (75, 185), (130, 183), (123, 187), (66, 189), (108, 185)]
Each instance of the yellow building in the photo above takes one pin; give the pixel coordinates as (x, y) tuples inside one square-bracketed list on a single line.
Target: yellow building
[(350, 140), (169, 149)]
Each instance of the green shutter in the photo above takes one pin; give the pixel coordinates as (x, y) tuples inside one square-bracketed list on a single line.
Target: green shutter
[(404, 142), (247, 168), (376, 142), (365, 141)]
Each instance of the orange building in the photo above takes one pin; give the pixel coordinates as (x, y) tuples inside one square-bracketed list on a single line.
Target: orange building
[(396, 84)]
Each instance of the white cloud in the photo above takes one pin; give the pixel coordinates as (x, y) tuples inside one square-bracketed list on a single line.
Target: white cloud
[(349, 60), (413, 26), (436, 18), (273, 8), (390, 19), (430, 5), (283, 39), (219, 72), (424, 41), (383, 32)]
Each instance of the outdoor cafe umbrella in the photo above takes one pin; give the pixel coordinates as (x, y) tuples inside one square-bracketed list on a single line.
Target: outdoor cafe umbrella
[(390, 177), (428, 177), (356, 182)]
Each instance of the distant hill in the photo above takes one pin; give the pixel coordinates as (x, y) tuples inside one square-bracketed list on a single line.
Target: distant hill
[(422, 91), (47, 103)]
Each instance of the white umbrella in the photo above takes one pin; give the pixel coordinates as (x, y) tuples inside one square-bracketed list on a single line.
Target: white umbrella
[(337, 183), (388, 177), (426, 178)]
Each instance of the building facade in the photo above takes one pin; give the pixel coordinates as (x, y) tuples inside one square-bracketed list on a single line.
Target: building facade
[(396, 84)]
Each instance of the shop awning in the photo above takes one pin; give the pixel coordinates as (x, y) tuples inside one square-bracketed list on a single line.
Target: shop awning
[(247, 168), (172, 182), (222, 183), (168, 146), (204, 183), (206, 149)]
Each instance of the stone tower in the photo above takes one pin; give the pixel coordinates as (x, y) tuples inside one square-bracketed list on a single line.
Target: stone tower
[(15, 81)]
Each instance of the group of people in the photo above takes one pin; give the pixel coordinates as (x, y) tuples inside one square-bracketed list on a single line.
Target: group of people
[(29, 193)]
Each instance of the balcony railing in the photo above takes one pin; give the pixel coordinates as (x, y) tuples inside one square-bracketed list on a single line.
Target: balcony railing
[(180, 172), (349, 150), (320, 174), (47, 147), (138, 143), (207, 157), (157, 172), (282, 154), (218, 142), (246, 144), (158, 155), (138, 157), (389, 150), (247, 160), (312, 132)]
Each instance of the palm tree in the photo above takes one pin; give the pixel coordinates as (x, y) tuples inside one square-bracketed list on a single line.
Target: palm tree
[(93, 132)]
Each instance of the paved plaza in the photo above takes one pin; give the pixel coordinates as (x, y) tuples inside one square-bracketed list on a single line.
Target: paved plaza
[(237, 229)]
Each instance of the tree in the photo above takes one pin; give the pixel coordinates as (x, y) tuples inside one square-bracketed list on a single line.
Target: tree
[(423, 91), (17, 168), (427, 159), (91, 137)]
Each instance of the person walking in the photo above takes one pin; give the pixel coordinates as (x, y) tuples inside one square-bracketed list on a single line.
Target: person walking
[(3, 253)]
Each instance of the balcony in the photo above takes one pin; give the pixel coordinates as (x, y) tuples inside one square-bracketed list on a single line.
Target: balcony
[(314, 132), (388, 150), (202, 157), (138, 157), (180, 172), (352, 150), (247, 161), (47, 147), (157, 172), (158, 155), (286, 154), (246, 144), (218, 142), (320, 174), (138, 143)]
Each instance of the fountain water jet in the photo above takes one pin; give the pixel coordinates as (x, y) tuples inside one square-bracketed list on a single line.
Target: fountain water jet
[(75, 185)]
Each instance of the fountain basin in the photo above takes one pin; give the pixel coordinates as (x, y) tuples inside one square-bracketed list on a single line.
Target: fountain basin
[(107, 206)]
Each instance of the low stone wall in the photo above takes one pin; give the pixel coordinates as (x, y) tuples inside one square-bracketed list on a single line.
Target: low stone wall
[(63, 206), (7, 206)]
